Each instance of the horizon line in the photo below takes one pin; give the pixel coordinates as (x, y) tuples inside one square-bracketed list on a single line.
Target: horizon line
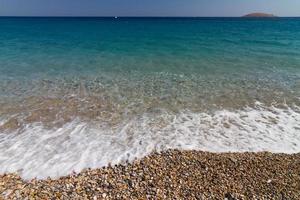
[(135, 16)]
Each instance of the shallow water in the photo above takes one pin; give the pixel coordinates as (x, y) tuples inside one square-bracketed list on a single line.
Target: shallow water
[(84, 92)]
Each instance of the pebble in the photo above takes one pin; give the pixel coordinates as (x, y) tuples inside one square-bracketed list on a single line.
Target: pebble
[(172, 174)]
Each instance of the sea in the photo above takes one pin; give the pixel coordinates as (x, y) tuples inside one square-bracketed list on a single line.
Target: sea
[(79, 93)]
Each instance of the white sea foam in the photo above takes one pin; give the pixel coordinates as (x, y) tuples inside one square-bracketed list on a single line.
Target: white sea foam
[(39, 152)]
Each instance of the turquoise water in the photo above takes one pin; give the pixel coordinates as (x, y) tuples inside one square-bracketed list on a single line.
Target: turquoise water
[(219, 50), (104, 86)]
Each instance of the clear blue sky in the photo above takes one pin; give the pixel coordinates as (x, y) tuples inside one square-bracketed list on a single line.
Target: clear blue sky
[(147, 7)]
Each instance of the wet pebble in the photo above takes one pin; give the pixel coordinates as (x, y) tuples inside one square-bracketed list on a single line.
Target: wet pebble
[(172, 175)]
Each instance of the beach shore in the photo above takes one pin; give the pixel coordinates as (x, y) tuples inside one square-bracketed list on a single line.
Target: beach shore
[(172, 175)]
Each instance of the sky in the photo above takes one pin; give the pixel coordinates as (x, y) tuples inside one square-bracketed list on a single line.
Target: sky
[(147, 7)]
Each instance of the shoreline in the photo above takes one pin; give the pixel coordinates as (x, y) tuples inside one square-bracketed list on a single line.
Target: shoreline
[(172, 174)]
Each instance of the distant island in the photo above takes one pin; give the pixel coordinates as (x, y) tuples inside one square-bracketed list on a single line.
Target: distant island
[(259, 15)]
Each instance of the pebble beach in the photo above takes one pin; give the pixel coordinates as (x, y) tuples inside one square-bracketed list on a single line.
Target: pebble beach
[(149, 108), (172, 174)]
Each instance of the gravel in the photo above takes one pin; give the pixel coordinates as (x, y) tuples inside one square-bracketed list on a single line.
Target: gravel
[(172, 175)]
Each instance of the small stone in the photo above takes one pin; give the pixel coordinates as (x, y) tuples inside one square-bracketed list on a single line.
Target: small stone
[(171, 174)]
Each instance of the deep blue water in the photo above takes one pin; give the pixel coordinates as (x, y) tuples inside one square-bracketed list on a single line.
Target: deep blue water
[(58, 45)]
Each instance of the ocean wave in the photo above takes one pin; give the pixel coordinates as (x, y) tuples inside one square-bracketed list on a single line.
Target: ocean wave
[(36, 151)]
